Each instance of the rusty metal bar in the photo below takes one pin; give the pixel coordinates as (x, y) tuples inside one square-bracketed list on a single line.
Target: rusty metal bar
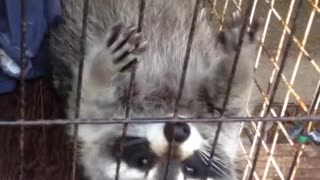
[(130, 93), (79, 85), (183, 77), (231, 77), (23, 62), (154, 120)]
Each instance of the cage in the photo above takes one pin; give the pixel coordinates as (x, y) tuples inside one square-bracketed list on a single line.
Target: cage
[(34, 144)]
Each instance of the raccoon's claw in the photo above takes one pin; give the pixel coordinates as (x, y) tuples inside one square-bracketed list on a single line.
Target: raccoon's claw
[(229, 37), (125, 44)]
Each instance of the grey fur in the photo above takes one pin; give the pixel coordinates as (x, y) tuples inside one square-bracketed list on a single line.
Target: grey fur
[(166, 26)]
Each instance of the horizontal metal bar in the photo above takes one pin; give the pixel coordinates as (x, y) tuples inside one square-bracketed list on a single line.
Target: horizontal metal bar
[(153, 120)]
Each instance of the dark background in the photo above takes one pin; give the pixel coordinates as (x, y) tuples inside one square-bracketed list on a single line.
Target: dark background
[(48, 153)]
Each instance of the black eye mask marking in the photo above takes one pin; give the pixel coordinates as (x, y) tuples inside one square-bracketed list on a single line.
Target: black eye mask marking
[(136, 152)]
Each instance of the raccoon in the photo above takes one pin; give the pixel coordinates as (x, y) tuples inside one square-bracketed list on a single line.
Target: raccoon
[(114, 48)]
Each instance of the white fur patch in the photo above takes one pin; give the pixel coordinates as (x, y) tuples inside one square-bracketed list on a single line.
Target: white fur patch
[(155, 136), (125, 172), (193, 143)]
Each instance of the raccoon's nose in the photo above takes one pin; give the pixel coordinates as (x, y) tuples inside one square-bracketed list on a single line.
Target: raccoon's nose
[(179, 134)]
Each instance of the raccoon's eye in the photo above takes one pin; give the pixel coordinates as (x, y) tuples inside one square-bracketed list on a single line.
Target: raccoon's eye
[(194, 167), (189, 171), (144, 162), (136, 152)]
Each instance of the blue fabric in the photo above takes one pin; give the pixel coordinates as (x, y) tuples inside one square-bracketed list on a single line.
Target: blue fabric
[(40, 16)]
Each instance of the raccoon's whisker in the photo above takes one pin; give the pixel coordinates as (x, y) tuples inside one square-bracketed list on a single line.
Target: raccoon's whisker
[(214, 158), (213, 163), (204, 156), (207, 151), (218, 161)]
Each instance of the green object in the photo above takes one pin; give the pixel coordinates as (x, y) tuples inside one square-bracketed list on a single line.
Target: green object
[(302, 139)]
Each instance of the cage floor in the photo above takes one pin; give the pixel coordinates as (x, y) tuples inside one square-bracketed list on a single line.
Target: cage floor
[(283, 156)]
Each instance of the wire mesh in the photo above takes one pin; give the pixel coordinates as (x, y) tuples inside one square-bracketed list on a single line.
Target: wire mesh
[(306, 110), (302, 105)]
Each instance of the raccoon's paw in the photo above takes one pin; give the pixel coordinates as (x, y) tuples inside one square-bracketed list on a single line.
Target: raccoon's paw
[(229, 37), (125, 45)]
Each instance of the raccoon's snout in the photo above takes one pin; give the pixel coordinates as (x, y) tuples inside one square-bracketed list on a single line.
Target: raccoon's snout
[(179, 132), (186, 136)]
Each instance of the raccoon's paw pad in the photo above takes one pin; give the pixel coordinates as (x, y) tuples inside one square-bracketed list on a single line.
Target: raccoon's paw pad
[(125, 44)]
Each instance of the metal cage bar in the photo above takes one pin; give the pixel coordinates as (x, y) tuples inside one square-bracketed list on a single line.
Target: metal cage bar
[(284, 107), (63, 122), (182, 78), (268, 112), (130, 93), (79, 85), (232, 74), (22, 87)]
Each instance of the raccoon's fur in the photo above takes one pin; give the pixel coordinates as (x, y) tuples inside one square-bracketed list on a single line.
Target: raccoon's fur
[(112, 45)]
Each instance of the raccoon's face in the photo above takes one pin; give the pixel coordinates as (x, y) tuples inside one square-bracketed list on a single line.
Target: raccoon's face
[(145, 150)]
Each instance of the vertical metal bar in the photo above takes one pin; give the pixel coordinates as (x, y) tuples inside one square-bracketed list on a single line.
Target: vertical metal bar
[(183, 77), (230, 80), (186, 57), (275, 87), (79, 84), (22, 85), (130, 92)]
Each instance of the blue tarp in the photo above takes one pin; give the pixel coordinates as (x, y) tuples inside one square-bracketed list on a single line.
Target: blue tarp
[(40, 16)]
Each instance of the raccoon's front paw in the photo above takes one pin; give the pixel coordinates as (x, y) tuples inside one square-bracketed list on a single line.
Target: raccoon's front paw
[(229, 37), (125, 45)]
